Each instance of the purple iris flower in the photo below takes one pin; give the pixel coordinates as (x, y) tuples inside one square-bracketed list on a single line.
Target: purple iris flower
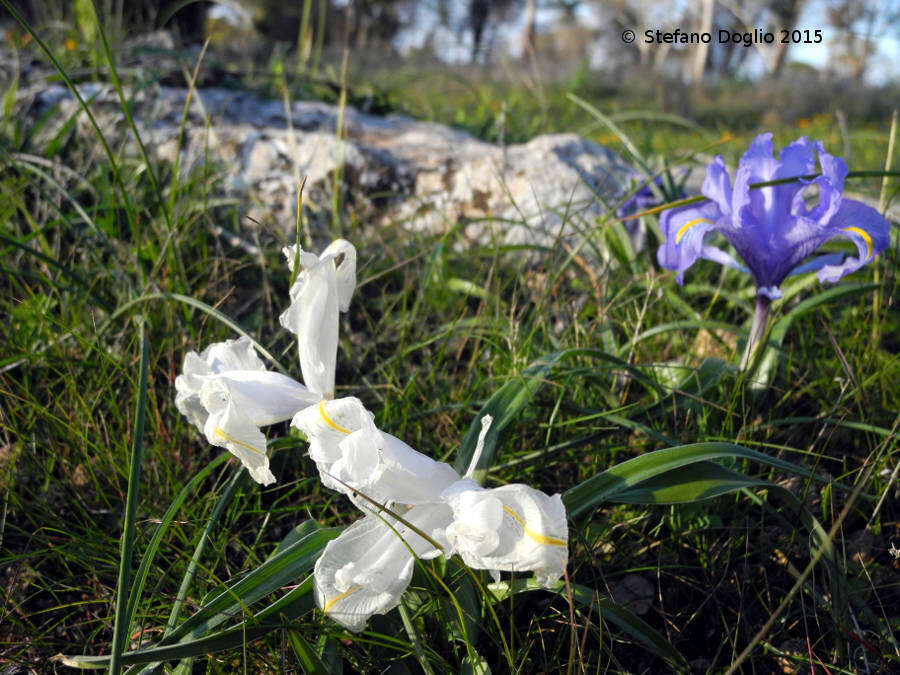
[(771, 228)]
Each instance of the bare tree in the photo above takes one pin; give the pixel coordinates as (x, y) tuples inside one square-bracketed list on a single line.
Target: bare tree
[(859, 25), (698, 67), (528, 29)]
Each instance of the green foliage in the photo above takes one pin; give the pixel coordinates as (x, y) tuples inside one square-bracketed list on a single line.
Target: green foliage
[(606, 384)]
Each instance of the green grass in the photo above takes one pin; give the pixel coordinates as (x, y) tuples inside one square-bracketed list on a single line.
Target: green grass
[(90, 252)]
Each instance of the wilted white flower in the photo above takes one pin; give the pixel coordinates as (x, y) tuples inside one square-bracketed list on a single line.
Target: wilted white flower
[(227, 393), (354, 456), (323, 288), (366, 569)]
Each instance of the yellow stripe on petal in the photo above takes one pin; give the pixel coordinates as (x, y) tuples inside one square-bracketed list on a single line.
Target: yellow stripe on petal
[(870, 248), (330, 603), (328, 420), (221, 434), (537, 537), (688, 225)]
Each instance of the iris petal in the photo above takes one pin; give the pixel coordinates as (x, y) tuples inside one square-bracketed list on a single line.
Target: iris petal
[(368, 567), (864, 227), (717, 186), (321, 290), (227, 393), (513, 528), (684, 230), (230, 429)]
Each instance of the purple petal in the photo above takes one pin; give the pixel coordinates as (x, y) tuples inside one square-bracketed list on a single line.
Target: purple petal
[(684, 230), (724, 258), (796, 159), (717, 185), (756, 165), (865, 227), (833, 168), (817, 263), (830, 183)]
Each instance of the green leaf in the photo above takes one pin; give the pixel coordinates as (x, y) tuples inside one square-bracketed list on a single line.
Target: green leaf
[(290, 606), (510, 400), (122, 626), (692, 483), (685, 473), (306, 655), (150, 553), (607, 485), (279, 570), (297, 533), (504, 406)]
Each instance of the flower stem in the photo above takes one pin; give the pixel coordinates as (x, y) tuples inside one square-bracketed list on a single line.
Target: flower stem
[(757, 329)]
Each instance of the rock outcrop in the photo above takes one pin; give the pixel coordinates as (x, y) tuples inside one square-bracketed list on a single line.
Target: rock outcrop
[(385, 169)]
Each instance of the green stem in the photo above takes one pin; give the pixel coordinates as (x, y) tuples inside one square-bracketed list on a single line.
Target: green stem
[(757, 329)]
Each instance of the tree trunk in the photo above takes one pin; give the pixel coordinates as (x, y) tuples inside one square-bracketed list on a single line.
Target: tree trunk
[(702, 50), (529, 29)]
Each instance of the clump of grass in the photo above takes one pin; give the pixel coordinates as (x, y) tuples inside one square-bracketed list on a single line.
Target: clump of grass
[(92, 248)]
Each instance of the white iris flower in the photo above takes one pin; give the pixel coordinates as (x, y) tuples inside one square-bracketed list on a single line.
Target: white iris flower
[(228, 394), (366, 569), (323, 288), (354, 456)]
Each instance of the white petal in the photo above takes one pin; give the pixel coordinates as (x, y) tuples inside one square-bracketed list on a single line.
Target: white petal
[(345, 271), (347, 446), (187, 398), (228, 428), (265, 397), (313, 318), (327, 424), (216, 358), (409, 477), (360, 463), (307, 259), (366, 569), (320, 291), (475, 530), (231, 355), (531, 535)]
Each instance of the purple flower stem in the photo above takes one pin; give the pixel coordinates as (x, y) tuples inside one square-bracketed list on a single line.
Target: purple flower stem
[(757, 329)]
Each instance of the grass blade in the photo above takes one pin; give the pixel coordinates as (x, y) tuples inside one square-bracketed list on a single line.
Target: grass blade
[(150, 554), (122, 625)]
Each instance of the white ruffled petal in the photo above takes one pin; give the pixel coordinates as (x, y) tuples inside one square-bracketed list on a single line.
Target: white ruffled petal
[(265, 397), (217, 358), (366, 569), (320, 291), (231, 355), (187, 397), (345, 270), (227, 393), (328, 423), (228, 428), (353, 455), (531, 534)]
